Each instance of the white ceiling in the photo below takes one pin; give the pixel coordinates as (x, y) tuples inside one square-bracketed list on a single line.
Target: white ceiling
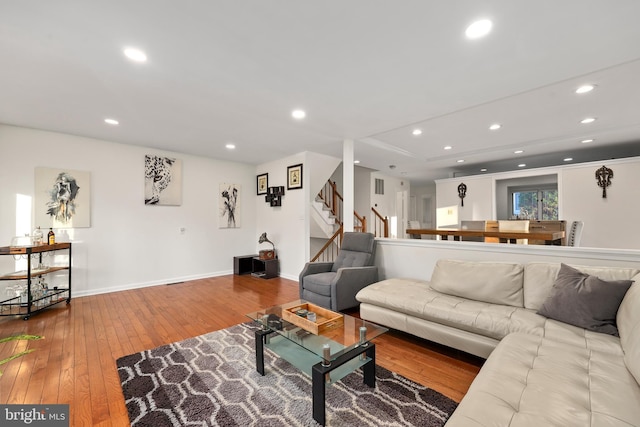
[(368, 70)]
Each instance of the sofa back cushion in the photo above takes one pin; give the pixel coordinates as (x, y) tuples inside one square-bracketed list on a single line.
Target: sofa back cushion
[(539, 278), (492, 282), (628, 321)]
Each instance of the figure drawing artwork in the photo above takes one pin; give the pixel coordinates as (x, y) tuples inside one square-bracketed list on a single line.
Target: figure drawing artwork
[(62, 198), (229, 206), (162, 180)]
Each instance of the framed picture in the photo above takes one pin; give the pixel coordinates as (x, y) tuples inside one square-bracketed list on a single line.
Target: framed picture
[(162, 180), (294, 177), (62, 198), (262, 183), (229, 203)]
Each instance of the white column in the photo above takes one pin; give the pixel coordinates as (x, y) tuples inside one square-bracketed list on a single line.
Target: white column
[(348, 184)]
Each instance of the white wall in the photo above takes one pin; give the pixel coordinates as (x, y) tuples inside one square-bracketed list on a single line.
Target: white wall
[(416, 259), (427, 191), (386, 204), (608, 223), (362, 197), (478, 202), (130, 244), (287, 226)]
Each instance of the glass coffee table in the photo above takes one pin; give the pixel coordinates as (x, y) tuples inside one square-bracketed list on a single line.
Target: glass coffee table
[(327, 347)]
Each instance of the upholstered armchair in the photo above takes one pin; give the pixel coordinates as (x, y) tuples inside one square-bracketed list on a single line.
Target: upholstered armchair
[(334, 285)]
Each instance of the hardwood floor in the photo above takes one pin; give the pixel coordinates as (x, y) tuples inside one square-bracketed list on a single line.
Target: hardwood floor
[(75, 363)]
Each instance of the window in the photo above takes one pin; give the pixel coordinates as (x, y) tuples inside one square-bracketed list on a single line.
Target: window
[(379, 186), (539, 203)]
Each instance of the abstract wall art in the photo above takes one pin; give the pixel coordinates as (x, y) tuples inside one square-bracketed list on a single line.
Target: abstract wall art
[(62, 198), (229, 205), (162, 180)]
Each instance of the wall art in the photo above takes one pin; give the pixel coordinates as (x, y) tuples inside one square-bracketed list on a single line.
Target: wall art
[(229, 205), (294, 177), (262, 183), (62, 198), (162, 180)]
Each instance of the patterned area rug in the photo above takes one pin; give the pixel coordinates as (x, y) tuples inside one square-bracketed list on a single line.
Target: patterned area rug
[(211, 380)]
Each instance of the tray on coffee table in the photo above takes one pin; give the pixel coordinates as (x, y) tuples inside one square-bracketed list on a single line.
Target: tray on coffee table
[(325, 319)]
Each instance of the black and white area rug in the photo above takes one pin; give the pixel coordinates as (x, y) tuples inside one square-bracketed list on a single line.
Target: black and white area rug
[(211, 380)]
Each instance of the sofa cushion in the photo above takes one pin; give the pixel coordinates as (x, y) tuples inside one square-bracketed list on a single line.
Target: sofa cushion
[(583, 300), (539, 278), (492, 282), (416, 298), (319, 283), (535, 381), (628, 326)]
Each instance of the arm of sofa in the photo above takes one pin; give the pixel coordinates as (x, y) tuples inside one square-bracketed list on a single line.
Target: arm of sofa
[(348, 282)]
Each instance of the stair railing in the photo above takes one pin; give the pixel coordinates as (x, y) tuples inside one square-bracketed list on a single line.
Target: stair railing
[(380, 224), (333, 200), (329, 251)]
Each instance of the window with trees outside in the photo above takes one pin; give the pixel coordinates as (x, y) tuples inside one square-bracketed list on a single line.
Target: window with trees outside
[(539, 203)]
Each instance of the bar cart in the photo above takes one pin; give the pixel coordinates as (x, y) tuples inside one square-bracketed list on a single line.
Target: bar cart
[(30, 300)]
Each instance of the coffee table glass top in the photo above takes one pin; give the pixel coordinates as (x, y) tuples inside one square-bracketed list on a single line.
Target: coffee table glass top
[(341, 335)]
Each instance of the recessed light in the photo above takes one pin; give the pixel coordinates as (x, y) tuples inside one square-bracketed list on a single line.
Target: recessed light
[(230, 146), (588, 120), (568, 159), (483, 170), (478, 29), (518, 152), (135, 54), (298, 114), (461, 161), (521, 165), (113, 122), (356, 161), (585, 88), (448, 147), (495, 126), (586, 141), (417, 132)]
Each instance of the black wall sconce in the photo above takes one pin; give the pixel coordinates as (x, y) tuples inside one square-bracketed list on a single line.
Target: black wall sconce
[(462, 192), (604, 175), (274, 196)]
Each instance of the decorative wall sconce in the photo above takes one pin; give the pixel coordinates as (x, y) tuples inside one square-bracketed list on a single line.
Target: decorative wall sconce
[(462, 192), (274, 196), (604, 175)]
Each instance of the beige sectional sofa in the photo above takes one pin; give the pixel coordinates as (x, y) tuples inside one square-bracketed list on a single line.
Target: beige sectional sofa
[(539, 371)]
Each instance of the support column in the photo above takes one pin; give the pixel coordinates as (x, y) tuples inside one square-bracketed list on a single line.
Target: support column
[(348, 204)]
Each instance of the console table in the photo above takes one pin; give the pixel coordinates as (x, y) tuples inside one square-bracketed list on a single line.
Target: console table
[(252, 264)]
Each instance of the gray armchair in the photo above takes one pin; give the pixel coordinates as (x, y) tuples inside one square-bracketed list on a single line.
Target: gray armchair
[(334, 285)]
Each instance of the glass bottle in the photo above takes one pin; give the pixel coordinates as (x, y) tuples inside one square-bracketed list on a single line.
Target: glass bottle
[(37, 236), (51, 237)]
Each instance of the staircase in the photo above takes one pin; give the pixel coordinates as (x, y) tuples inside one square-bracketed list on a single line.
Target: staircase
[(323, 223), (327, 222)]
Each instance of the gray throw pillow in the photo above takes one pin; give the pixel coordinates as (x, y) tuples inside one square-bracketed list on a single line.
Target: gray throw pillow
[(585, 301)]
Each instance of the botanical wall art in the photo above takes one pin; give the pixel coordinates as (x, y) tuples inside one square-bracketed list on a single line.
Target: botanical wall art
[(294, 177), (262, 183), (162, 180), (229, 206), (62, 198)]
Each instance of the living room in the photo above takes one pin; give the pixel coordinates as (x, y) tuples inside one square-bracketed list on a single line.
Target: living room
[(129, 250)]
